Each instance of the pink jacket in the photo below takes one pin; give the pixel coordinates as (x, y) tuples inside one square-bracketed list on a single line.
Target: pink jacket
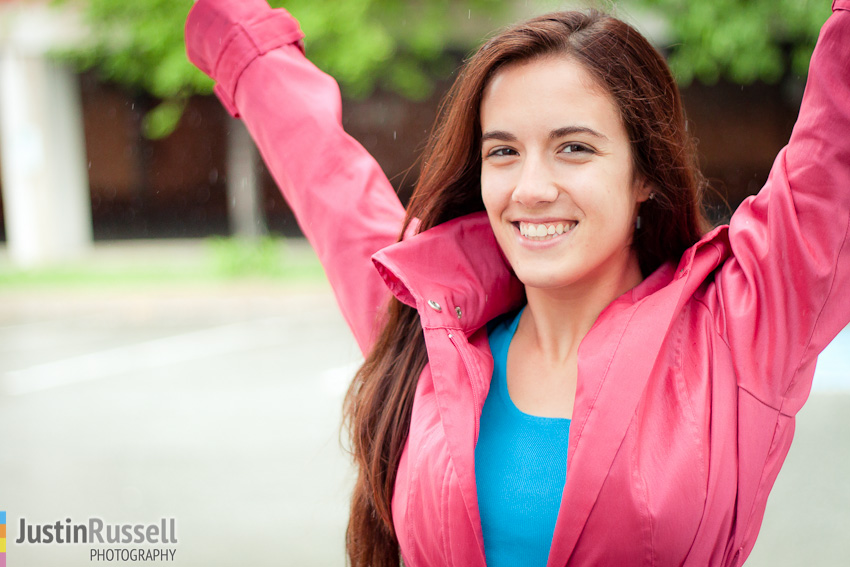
[(688, 384)]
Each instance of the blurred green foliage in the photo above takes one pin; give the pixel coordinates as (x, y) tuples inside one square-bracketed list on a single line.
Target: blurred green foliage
[(741, 40), (393, 44), (234, 257), (218, 259), (139, 44), (400, 45)]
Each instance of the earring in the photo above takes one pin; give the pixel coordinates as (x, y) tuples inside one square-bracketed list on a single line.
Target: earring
[(637, 223), (651, 195)]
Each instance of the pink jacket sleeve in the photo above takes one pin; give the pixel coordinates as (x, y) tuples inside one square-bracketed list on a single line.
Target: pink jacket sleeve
[(343, 201), (786, 289)]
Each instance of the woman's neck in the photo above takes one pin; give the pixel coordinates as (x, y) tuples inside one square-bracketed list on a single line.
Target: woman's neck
[(556, 320)]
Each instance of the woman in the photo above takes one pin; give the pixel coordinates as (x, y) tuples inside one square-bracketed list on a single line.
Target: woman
[(553, 257)]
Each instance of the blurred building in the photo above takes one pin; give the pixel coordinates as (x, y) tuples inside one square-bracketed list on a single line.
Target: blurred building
[(176, 186)]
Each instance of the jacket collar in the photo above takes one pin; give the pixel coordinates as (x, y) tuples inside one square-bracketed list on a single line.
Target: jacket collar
[(454, 274), (459, 264)]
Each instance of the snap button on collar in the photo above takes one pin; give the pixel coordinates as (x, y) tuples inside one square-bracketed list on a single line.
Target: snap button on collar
[(434, 305)]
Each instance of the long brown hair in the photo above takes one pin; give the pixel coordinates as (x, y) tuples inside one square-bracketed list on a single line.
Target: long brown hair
[(379, 402)]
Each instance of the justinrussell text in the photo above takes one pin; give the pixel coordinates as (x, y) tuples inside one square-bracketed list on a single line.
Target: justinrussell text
[(95, 531)]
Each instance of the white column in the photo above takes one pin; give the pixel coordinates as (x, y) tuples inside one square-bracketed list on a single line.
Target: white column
[(46, 202), (243, 189)]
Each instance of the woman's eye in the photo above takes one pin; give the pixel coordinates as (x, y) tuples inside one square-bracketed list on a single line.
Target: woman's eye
[(575, 149), (502, 152)]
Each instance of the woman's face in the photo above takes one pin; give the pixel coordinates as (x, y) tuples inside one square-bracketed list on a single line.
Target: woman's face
[(556, 176)]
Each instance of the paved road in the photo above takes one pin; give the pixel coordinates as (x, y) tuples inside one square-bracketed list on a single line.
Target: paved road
[(220, 407)]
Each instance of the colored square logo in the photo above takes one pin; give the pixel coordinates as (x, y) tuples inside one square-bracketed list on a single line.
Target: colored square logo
[(2, 538)]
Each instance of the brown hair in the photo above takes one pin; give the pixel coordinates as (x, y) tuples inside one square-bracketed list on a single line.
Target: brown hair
[(379, 402)]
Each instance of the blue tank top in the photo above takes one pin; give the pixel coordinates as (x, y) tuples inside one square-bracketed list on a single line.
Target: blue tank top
[(520, 468)]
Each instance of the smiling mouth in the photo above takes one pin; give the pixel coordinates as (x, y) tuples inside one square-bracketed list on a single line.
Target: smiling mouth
[(544, 231)]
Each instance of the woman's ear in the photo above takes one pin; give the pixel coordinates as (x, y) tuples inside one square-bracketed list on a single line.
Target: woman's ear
[(644, 190)]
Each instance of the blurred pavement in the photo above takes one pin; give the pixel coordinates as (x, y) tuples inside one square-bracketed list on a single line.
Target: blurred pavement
[(219, 405)]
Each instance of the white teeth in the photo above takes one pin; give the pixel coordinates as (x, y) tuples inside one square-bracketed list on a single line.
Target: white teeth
[(544, 231)]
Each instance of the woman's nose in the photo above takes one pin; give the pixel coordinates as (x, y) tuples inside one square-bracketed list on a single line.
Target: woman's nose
[(535, 184)]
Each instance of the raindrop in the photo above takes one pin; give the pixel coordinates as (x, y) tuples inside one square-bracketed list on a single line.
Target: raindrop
[(394, 137), (469, 15), (89, 164)]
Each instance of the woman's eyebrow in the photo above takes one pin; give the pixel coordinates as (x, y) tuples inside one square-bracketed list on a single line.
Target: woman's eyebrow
[(569, 130), (500, 135)]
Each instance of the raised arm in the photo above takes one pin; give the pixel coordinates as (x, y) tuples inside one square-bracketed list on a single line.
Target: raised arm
[(786, 289), (343, 201)]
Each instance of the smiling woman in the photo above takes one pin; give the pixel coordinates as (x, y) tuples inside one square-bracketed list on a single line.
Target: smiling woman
[(571, 369)]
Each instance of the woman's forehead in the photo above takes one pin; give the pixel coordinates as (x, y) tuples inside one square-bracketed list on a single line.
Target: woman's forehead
[(553, 91)]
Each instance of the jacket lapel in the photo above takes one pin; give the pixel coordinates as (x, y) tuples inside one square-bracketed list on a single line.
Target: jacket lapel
[(605, 405), (616, 359), (455, 401), (457, 279)]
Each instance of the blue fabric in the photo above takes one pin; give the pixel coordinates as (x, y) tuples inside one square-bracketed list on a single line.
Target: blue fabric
[(520, 468)]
